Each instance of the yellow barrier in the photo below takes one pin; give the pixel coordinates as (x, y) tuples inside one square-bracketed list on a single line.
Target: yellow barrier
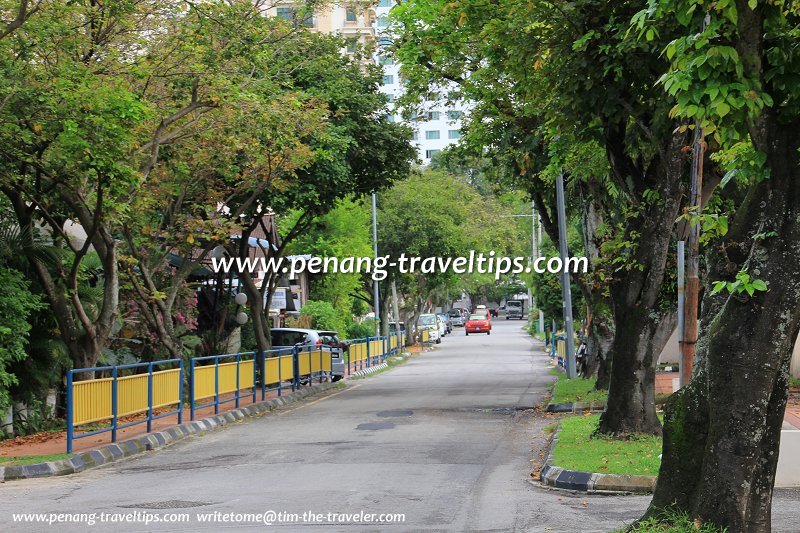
[(376, 348), (561, 348), (91, 400), (279, 369), (426, 335), (358, 352), (393, 341), (204, 377)]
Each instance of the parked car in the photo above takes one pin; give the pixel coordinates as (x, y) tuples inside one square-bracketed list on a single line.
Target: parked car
[(492, 311), (478, 323), (298, 337), (457, 318), (432, 323), (448, 324)]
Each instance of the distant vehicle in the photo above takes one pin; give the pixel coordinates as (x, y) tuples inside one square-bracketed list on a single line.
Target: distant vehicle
[(478, 323), (493, 311), (480, 307), (393, 327), (457, 318), (297, 337), (448, 324), (432, 323), (514, 309)]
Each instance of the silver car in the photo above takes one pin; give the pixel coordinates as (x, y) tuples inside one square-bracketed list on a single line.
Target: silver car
[(291, 337), (457, 318)]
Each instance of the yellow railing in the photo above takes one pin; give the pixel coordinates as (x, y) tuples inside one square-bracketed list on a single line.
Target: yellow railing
[(426, 335), (279, 369)]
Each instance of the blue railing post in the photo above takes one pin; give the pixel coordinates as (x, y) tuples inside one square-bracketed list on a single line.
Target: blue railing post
[(369, 356), (70, 412), (238, 364), (296, 366), (255, 376), (216, 385), (280, 373), (114, 404), (150, 397), (191, 389), (180, 393), (263, 375)]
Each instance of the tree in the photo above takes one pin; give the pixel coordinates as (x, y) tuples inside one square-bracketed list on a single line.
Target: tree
[(738, 76), (543, 71)]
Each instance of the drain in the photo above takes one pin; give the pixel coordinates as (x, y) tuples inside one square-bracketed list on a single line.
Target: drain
[(167, 504), (376, 425), (396, 413)]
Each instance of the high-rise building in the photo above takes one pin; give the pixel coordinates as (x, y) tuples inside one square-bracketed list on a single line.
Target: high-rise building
[(437, 125)]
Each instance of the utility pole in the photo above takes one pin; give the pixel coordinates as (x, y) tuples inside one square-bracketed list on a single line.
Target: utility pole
[(566, 293), (376, 297), (396, 316), (531, 304), (538, 255), (692, 296)]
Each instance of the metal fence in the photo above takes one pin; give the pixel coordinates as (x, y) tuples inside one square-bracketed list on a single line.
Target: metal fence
[(104, 400), (114, 392)]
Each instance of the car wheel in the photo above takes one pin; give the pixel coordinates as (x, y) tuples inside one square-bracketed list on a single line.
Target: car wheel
[(507, 318), (467, 333), (336, 378), (488, 332), (438, 341)]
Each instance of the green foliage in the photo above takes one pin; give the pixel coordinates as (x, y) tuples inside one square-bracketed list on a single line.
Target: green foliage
[(671, 521), (360, 330), (17, 303), (741, 284), (323, 316)]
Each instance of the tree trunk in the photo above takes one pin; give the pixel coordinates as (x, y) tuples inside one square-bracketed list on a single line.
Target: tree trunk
[(722, 431)]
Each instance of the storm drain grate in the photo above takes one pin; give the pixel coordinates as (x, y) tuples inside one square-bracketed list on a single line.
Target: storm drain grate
[(167, 504), (396, 413)]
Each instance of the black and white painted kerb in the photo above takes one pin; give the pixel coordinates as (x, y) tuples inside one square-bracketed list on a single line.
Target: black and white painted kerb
[(370, 370)]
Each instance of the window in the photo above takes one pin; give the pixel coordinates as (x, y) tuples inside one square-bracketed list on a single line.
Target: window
[(388, 79), (383, 21), (454, 134), (390, 118), (390, 98), (350, 14), (429, 154), (352, 46), (432, 115), (288, 337), (415, 136), (292, 14), (454, 115), (432, 134), (385, 3), (385, 60)]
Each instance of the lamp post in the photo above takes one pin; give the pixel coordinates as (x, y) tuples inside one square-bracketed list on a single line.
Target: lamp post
[(566, 293), (376, 297)]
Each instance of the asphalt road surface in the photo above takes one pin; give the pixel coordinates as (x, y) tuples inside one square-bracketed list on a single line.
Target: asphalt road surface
[(447, 439)]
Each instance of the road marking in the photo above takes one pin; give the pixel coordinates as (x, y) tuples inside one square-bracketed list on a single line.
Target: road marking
[(319, 400)]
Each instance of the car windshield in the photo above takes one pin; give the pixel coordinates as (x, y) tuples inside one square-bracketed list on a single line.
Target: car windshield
[(455, 314), (427, 320), (288, 338), (477, 317)]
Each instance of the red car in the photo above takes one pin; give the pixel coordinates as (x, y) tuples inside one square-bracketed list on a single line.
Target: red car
[(479, 323)]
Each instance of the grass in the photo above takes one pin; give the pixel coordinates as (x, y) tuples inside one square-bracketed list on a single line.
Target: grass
[(575, 390), (671, 522), (32, 459), (577, 449)]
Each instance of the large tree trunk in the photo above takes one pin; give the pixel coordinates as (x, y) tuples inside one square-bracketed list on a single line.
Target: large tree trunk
[(644, 318), (722, 431)]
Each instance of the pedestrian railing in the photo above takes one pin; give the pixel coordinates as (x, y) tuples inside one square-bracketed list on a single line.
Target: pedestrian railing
[(106, 399), (279, 370), (215, 376), (426, 337), (313, 362)]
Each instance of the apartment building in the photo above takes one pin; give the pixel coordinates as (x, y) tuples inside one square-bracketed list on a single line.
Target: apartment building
[(436, 125)]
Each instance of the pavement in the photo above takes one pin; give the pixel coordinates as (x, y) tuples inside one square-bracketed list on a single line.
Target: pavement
[(448, 439)]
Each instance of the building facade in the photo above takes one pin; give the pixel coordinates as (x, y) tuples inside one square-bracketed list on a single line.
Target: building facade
[(436, 125)]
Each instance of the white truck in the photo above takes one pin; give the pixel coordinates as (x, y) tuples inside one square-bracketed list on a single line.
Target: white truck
[(514, 309)]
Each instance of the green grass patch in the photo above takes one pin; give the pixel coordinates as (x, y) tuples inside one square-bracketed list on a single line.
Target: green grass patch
[(32, 459), (671, 522), (577, 449), (575, 390)]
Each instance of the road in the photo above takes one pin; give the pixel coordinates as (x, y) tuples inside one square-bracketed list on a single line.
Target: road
[(446, 439)]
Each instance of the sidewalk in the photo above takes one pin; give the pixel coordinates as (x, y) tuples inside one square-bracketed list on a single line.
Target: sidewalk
[(788, 473)]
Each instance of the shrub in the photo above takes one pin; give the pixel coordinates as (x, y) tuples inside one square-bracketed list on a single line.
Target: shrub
[(359, 330), (323, 315)]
